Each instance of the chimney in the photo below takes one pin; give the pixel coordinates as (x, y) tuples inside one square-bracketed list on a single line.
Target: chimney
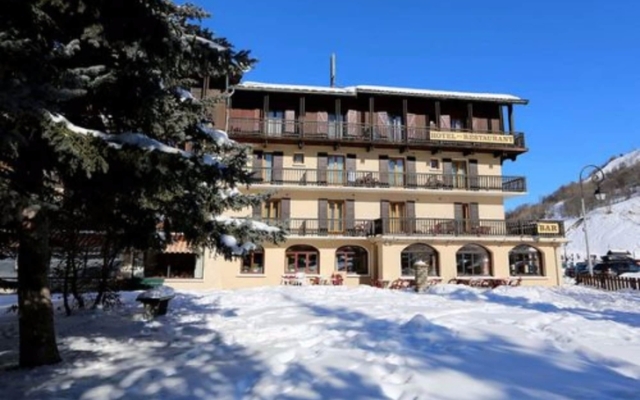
[(332, 70)]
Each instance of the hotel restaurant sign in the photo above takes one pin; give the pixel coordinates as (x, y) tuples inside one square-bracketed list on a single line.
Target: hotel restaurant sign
[(471, 137), (549, 228)]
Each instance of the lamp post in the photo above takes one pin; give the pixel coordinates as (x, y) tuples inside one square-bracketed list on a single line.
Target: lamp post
[(599, 195)]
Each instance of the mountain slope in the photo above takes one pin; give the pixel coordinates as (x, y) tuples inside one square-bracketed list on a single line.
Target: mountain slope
[(612, 224)]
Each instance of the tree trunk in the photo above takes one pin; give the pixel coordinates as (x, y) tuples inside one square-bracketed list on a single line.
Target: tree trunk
[(37, 331), (35, 311), (65, 288)]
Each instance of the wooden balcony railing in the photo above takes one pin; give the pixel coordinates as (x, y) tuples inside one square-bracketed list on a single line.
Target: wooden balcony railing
[(376, 134), (458, 227), (375, 179), (418, 227)]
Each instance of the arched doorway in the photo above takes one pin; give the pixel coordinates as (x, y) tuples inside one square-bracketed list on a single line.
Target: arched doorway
[(473, 259), (302, 258), (353, 260), (525, 260)]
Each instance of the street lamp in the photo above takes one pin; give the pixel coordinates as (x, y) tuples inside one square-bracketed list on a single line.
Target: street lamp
[(598, 177)]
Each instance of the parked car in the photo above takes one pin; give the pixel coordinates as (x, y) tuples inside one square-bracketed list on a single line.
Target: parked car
[(616, 268), (581, 267)]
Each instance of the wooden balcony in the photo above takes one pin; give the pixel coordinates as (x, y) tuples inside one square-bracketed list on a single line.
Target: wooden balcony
[(375, 179), (419, 227), (342, 133), (466, 227)]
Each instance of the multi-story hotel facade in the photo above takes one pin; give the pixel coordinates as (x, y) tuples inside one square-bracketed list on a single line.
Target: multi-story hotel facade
[(368, 180)]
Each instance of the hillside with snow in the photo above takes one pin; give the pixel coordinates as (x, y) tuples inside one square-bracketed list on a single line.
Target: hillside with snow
[(614, 223)]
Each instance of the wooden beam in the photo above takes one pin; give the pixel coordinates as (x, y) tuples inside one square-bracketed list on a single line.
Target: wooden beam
[(301, 116), (470, 116), (438, 114), (371, 117), (512, 126), (501, 117)]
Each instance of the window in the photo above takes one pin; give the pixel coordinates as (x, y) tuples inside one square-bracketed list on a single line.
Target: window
[(253, 262), (525, 260), (267, 167), (271, 209), (275, 122), (353, 260), (298, 158), (396, 172), (457, 123), (175, 266), (336, 126), (397, 215), (434, 164), (302, 258), (395, 127), (473, 260), (459, 172), (335, 216), (419, 252), (335, 169)]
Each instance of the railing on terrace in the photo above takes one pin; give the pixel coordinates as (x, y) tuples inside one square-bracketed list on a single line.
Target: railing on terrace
[(375, 179), (416, 227), (459, 227), (324, 227), (366, 133)]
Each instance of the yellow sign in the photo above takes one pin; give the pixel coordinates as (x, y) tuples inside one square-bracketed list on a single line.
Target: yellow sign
[(471, 137), (548, 228)]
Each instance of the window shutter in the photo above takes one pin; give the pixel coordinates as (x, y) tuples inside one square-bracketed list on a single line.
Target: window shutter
[(257, 211), (350, 216), (384, 170), (459, 217), (384, 215), (310, 123), (352, 123), (351, 169), (322, 168), (323, 123), (411, 126), (382, 125), (474, 215), (411, 217), (447, 170), (473, 174), (290, 121), (277, 167), (257, 166), (412, 178), (323, 225), (445, 122), (285, 209)]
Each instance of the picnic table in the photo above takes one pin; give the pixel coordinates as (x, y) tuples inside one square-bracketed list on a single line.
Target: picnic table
[(156, 300)]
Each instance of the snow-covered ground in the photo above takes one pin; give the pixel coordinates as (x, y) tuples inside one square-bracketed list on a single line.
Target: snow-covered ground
[(347, 343), (615, 227)]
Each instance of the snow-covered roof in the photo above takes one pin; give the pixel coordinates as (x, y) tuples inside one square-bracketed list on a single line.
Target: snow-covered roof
[(354, 90)]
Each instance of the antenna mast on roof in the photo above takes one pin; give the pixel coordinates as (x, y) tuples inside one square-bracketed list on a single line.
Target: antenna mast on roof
[(332, 70)]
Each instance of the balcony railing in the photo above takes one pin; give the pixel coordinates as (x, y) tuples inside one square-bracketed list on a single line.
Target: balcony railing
[(458, 227), (376, 134), (419, 227), (326, 227), (375, 179)]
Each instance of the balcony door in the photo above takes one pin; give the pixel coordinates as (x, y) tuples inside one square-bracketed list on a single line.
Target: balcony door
[(336, 126), (397, 217), (275, 123), (335, 170), (396, 172), (271, 210), (335, 216), (459, 171)]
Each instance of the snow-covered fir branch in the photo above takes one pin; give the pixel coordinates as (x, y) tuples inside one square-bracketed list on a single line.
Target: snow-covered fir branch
[(207, 42), (138, 140)]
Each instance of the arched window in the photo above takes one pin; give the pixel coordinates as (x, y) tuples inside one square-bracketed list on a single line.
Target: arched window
[(353, 260), (419, 252), (253, 262), (525, 260), (473, 259), (302, 258)]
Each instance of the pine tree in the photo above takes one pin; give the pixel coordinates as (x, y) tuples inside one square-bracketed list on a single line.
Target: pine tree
[(94, 113)]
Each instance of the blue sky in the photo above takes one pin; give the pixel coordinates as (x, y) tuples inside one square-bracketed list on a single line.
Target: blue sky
[(578, 62)]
